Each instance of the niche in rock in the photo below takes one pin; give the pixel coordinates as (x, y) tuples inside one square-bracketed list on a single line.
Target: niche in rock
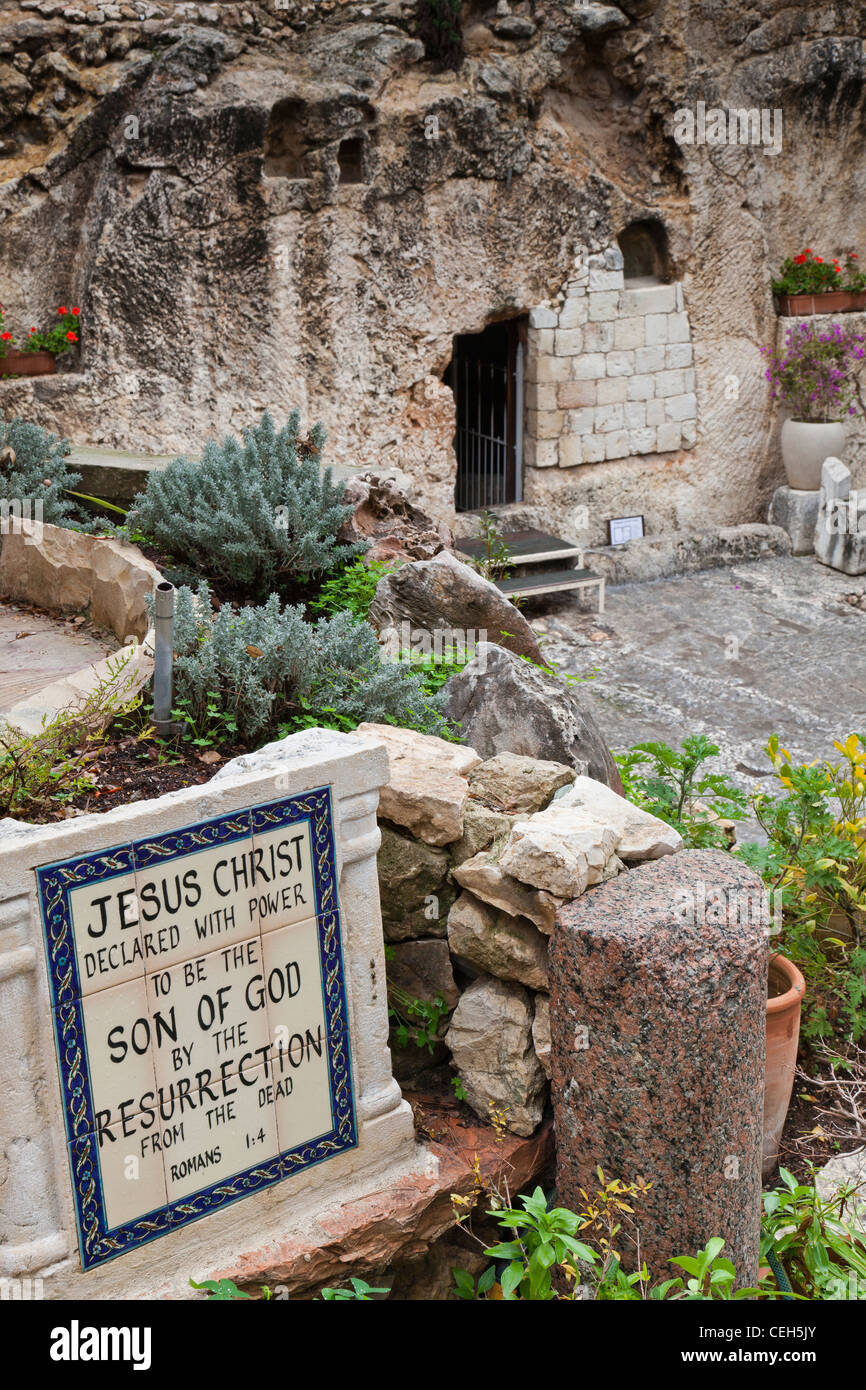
[(644, 247), (285, 146), (350, 158)]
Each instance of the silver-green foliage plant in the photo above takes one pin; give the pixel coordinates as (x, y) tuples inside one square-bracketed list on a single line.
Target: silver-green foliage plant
[(33, 468), (252, 513), (269, 671)]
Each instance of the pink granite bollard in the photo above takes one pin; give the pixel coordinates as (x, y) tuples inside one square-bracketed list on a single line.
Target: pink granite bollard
[(658, 1008)]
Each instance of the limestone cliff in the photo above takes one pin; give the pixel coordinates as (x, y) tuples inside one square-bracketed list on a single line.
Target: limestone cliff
[(292, 204)]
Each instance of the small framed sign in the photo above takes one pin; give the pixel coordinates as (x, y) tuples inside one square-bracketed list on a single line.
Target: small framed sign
[(624, 528), (200, 1017)]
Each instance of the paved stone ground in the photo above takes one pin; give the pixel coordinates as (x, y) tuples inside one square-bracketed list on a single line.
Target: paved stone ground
[(36, 650), (736, 654)]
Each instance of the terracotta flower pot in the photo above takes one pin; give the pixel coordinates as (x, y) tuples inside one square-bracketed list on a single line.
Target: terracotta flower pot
[(27, 364), (785, 996), (831, 302), (805, 446)]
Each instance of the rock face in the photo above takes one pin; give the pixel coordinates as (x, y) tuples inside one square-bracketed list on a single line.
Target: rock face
[(496, 943), (483, 877), (427, 787), (503, 705), (561, 851), (846, 1170), (444, 593), (491, 1042), (73, 573), (513, 783), (796, 511), (658, 1034), (541, 1032), (346, 269), (641, 835), (395, 529), (481, 827), (840, 531), (413, 887)]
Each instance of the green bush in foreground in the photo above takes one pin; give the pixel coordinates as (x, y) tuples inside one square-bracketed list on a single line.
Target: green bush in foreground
[(266, 671), (33, 468), (254, 514)]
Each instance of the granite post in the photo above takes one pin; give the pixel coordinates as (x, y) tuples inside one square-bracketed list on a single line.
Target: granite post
[(657, 1014)]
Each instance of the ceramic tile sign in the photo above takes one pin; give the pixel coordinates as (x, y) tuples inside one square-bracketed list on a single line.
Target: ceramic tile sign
[(200, 1017)]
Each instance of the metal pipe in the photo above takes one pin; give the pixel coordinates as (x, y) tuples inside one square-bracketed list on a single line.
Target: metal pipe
[(163, 623)]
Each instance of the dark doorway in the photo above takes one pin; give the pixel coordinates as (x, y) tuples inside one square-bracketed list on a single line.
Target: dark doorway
[(350, 158), (486, 377)]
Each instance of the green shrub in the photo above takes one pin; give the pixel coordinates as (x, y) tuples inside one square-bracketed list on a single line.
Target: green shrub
[(255, 513), (815, 861), (33, 467), (674, 785), (352, 590), (266, 670)]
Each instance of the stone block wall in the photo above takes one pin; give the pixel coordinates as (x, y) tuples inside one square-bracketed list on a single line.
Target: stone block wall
[(469, 902), (609, 370)]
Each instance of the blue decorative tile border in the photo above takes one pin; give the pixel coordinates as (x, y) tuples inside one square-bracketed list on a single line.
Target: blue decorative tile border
[(97, 1242)]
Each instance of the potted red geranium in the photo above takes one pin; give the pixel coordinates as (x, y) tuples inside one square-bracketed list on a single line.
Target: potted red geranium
[(809, 284), (37, 354)]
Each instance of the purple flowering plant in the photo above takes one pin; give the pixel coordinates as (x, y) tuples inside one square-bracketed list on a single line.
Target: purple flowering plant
[(816, 376)]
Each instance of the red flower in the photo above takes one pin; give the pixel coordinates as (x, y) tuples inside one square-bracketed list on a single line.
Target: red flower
[(819, 260), (32, 329), (76, 310), (798, 260), (63, 309), (854, 256), (808, 251), (72, 337), (7, 337)]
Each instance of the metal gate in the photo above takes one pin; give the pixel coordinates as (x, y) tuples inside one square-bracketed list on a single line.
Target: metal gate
[(486, 376)]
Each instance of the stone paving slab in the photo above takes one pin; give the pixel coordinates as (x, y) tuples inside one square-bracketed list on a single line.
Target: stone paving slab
[(736, 654), (37, 650)]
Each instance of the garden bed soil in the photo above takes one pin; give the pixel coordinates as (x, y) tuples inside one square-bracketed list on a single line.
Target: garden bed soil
[(127, 770)]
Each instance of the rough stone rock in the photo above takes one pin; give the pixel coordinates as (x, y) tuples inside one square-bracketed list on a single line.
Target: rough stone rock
[(423, 969), (444, 593), (504, 705), (541, 1032), (796, 511), (846, 1170), (840, 531), (656, 557), (371, 1234), (561, 851), (641, 835), (70, 572), (491, 1045), (427, 787), (511, 782), (386, 518), (599, 19), (483, 877), (481, 826), (658, 1035), (413, 887), (511, 948), (514, 26)]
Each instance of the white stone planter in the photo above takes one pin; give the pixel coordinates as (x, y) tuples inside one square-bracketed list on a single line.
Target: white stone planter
[(805, 446)]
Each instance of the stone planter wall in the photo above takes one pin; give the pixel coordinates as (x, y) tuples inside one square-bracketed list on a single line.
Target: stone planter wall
[(68, 572), (476, 859)]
